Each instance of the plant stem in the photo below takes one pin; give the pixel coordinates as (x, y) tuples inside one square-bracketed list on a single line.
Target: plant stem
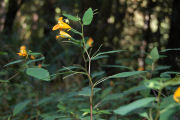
[(88, 72), (158, 102)]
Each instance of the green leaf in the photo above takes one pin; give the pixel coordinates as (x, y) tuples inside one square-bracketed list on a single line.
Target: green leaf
[(75, 31), (117, 96), (117, 66), (87, 91), (166, 114), (170, 49), (38, 73), (19, 107), (4, 80), (167, 101), (14, 62), (154, 54), (126, 74), (97, 74), (71, 17), (34, 53), (141, 103), (3, 53), (45, 100), (108, 52), (69, 68), (148, 61), (31, 61), (88, 16), (174, 81), (52, 116), (99, 57), (153, 84)]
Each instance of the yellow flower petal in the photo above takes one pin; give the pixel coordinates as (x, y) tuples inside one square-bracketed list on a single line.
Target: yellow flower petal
[(23, 47), (63, 25), (176, 95), (56, 27), (60, 19), (64, 34)]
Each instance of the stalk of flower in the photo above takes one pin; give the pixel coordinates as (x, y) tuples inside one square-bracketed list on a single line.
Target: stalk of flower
[(22, 51), (176, 95)]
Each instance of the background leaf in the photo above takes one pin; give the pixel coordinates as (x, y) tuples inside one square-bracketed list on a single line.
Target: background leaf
[(154, 54), (19, 107), (123, 110)]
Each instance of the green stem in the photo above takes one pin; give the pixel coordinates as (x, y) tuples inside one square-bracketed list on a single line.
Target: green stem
[(89, 71), (158, 107)]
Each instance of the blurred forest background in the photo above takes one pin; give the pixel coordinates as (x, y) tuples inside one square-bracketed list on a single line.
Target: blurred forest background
[(133, 25)]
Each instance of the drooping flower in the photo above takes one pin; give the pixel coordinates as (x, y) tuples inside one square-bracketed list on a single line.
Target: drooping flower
[(22, 51), (61, 25), (63, 35), (176, 95), (90, 42)]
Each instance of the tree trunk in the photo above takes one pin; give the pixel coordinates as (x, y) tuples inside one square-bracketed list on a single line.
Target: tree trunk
[(13, 7), (174, 38)]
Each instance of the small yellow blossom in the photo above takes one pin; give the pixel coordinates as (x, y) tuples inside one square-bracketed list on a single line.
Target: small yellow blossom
[(23, 51), (111, 83), (61, 25), (39, 65), (32, 57), (141, 68), (90, 42), (176, 95)]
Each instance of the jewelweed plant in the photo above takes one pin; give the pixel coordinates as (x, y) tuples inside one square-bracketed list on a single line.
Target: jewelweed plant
[(154, 100)]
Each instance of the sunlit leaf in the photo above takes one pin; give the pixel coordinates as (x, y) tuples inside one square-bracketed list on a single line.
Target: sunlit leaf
[(88, 16)]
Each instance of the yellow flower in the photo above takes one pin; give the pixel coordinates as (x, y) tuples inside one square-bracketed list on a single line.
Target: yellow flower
[(61, 25), (23, 51), (90, 42), (176, 95), (32, 57), (63, 35), (141, 68), (39, 65)]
